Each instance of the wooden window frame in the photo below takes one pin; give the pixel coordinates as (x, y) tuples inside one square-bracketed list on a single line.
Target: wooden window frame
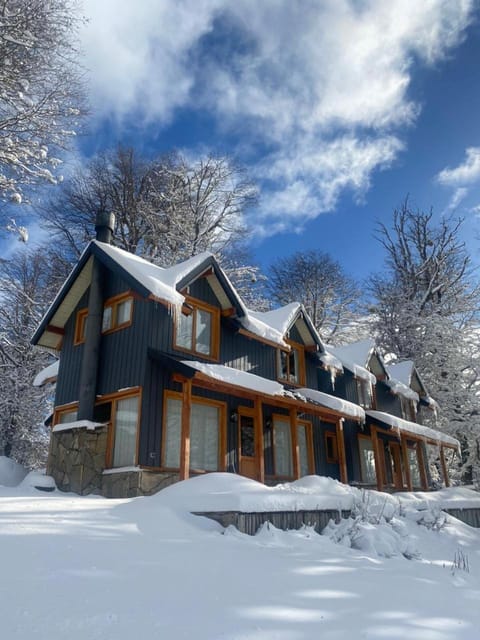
[(309, 437), (300, 349), (113, 398), (330, 435), (222, 436), (360, 438), (192, 305), (113, 303)]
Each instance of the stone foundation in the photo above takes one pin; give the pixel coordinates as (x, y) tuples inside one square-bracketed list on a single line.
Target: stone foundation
[(76, 461)]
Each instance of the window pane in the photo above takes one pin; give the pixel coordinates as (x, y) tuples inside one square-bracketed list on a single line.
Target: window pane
[(282, 448), (203, 331), (107, 319), (67, 416), (282, 363), (293, 363), (247, 436), (184, 330), (204, 430), (303, 449), (123, 312), (173, 431), (367, 460), (125, 432), (414, 468)]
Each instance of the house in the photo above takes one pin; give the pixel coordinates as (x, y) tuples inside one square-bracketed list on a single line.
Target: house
[(164, 373)]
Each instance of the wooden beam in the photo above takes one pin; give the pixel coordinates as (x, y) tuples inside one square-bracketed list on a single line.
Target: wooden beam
[(378, 458), (259, 455), (57, 330), (422, 466), (295, 449), (185, 437), (406, 464), (443, 462), (342, 460)]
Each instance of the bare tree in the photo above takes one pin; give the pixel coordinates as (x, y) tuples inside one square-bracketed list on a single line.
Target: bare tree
[(166, 209), (319, 283), (427, 305), (41, 90)]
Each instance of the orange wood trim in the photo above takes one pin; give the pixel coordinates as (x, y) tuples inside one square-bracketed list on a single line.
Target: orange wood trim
[(258, 430), (378, 461), (397, 473), (79, 337), (185, 437), (114, 303), (295, 448), (328, 435), (228, 313), (443, 462), (300, 350), (406, 464), (341, 452)]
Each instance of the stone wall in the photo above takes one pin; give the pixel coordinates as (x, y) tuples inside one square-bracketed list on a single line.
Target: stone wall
[(76, 461)]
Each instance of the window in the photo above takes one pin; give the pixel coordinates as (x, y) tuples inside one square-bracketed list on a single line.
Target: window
[(367, 460), (206, 423), (125, 417), (66, 415), (304, 441), (331, 447), (197, 329), (414, 466), (364, 391), (117, 314), (291, 364), (408, 409), (282, 447)]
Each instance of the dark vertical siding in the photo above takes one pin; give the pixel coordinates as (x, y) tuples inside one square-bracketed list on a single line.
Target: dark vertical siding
[(322, 468), (201, 290), (387, 401), (351, 430), (240, 352)]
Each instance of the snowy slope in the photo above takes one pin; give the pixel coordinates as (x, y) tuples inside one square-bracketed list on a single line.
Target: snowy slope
[(94, 568)]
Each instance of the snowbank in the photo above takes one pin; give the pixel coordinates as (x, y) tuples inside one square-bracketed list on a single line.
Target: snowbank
[(451, 498), (11, 473)]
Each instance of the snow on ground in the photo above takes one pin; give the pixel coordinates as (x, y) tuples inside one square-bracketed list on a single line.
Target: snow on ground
[(88, 567)]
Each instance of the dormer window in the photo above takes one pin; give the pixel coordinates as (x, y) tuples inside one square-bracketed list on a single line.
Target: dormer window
[(291, 364), (365, 393), (117, 314), (197, 329)]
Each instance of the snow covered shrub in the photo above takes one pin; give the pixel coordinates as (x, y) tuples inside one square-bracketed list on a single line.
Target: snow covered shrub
[(460, 562)]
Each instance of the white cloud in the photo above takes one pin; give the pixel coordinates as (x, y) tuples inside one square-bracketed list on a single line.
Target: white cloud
[(322, 85), (466, 173), (457, 197)]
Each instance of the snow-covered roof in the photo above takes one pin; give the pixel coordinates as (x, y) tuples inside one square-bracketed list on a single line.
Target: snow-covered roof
[(402, 371), (400, 389), (355, 352), (253, 382), (78, 424), (332, 402), (48, 374), (413, 428), (344, 356)]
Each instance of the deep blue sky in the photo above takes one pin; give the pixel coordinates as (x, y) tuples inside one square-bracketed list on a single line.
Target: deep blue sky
[(338, 108)]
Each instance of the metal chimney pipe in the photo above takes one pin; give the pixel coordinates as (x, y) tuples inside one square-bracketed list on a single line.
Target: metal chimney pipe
[(104, 226)]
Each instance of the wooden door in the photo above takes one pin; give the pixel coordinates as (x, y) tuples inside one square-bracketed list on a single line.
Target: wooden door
[(397, 465), (248, 463)]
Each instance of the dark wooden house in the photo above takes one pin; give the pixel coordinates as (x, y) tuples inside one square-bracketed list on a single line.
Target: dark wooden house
[(164, 373)]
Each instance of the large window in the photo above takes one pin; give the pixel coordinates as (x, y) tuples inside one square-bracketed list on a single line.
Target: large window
[(412, 456), (206, 423), (197, 329), (125, 420), (304, 441), (282, 447), (408, 409), (291, 364), (367, 460)]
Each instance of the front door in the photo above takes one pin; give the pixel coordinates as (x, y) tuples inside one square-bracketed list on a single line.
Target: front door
[(246, 444), (397, 465)]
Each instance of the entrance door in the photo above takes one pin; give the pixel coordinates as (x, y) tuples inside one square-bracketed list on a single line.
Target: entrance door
[(397, 465), (246, 444)]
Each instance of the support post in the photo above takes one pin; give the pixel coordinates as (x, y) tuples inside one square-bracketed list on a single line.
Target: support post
[(406, 464), (422, 466), (295, 449), (378, 458), (342, 460), (185, 437), (443, 462), (259, 454)]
